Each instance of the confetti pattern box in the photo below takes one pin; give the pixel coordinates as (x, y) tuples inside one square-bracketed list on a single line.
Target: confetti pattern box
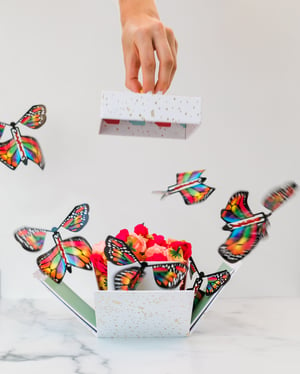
[(148, 115)]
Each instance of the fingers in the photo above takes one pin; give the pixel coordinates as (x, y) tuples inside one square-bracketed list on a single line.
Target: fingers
[(139, 54), (132, 67), (166, 48), (174, 49)]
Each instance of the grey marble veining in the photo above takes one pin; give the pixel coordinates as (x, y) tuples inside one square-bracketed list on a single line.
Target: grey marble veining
[(235, 336)]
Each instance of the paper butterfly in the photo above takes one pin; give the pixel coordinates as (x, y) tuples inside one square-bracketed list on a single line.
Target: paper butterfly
[(207, 284), (66, 253), (167, 275), (248, 228), (23, 148), (190, 186)]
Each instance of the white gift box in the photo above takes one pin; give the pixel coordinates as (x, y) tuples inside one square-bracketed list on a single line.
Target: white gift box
[(151, 313), (149, 115)]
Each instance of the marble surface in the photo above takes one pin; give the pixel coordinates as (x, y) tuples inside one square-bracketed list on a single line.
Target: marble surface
[(235, 336)]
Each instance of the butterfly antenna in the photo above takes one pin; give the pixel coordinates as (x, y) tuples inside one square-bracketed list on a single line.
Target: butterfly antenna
[(162, 193)]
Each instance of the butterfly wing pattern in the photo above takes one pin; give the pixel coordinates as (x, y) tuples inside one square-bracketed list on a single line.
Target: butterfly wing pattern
[(34, 118), (30, 238), (244, 238), (197, 192), (77, 219), (2, 127), (169, 275), (128, 279), (23, 148), (9, 154), (118, 252), (67, 253), (277, 197), (70, 252)]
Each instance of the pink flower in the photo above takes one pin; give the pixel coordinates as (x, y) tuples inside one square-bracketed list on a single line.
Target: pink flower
[(157, 257), (157, 239), (141, 229), (156, 251), (99, 262), (99, 247), (123, 235)]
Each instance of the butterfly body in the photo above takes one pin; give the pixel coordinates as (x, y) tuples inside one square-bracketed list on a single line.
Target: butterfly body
[(191, 187), (18, 139), (58, 241), (183, 186), (66, 253), (259, 218), (207, 284), (23, 148)]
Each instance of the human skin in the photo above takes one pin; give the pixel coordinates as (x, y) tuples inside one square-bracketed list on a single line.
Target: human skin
[(143, 36)]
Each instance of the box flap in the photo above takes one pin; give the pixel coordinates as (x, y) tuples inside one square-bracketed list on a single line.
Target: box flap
[(202, 306), (76, 304)]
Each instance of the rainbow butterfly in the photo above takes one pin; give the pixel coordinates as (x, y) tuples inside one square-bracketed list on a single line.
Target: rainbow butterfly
[(167, 275), (23, 148), (66, 253), (248, 228), (207, 284), (190, 186)]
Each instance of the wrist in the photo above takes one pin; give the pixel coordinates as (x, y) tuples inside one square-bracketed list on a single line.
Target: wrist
[(135, 8)]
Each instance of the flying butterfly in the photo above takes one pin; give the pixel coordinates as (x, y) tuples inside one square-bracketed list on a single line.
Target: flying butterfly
[(191, 187), (75, 251), (207, 284), (248, 228), (167, 275), (23, 148)]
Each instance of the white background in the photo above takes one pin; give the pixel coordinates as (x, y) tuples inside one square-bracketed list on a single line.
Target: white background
[(241, 56)]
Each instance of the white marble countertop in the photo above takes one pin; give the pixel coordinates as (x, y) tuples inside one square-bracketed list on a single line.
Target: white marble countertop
[(238, 336)]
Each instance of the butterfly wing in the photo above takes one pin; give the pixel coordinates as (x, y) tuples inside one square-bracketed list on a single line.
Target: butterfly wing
[(196, 194), (78, 252), (169, 275), (52, 264), (9, 154), (2, 127), (237, 208), (215, 281), (241, 241), (77, 219), (33, 151), (128, 279), (35, 117), (30, 238), (188, 176), (193, 268), (277, 197), (117, 252)]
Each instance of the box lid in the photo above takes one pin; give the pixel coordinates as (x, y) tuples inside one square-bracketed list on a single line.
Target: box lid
[(149, 115)]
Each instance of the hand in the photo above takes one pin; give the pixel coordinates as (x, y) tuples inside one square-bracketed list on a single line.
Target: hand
[(143, 35)]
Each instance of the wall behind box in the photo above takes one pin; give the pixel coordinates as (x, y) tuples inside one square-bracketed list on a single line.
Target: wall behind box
[(240, 57)]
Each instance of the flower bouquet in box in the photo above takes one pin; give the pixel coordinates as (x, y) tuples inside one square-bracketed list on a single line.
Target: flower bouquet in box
[(140, 260)]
